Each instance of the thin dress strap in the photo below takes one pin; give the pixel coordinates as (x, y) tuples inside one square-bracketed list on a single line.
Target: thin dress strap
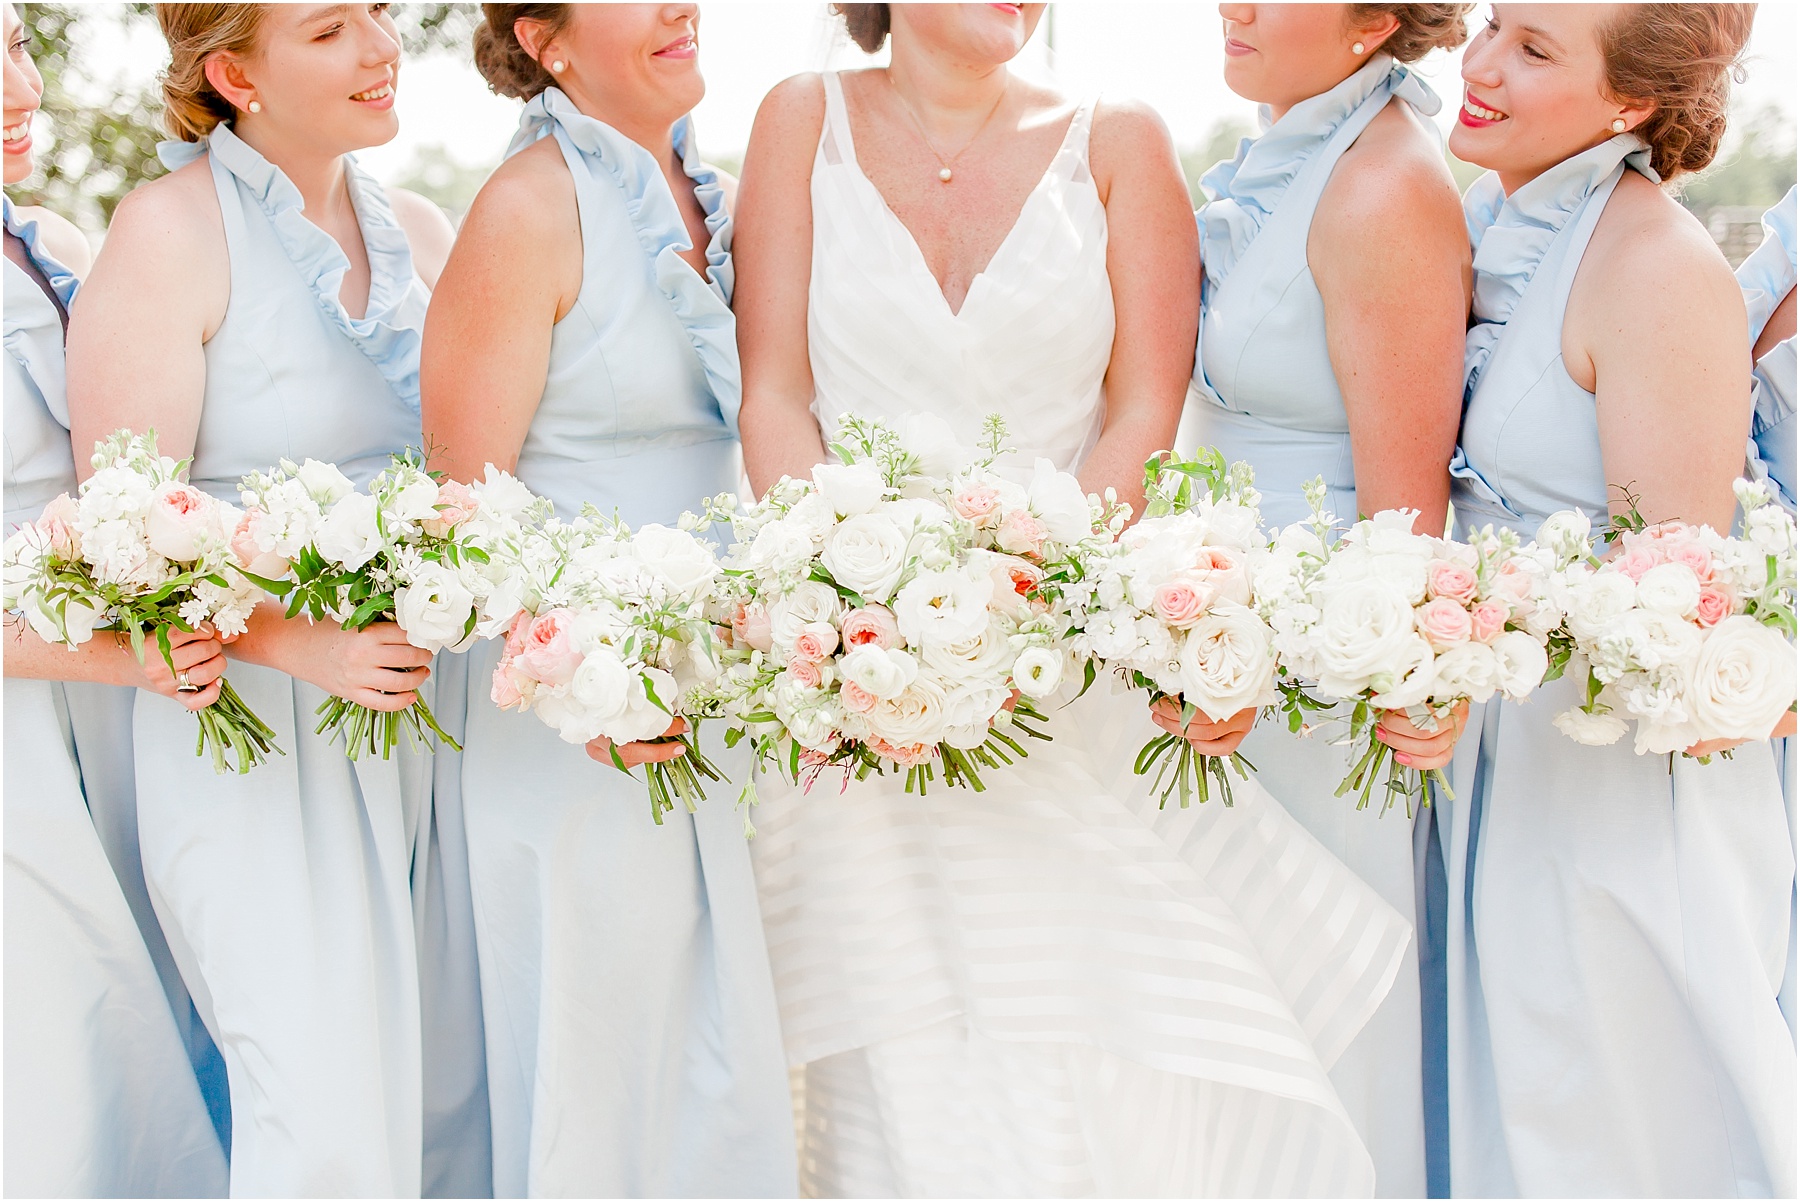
[(836, 146)]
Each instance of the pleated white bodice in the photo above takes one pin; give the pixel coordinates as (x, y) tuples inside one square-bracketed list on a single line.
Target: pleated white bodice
[(1033, 337)]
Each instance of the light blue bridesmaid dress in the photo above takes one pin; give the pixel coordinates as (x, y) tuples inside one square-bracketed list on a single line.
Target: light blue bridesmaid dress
[(101, 1098), (1618, 924), (633, 1047), (289, 893), (1767, 277), (1265, 392)]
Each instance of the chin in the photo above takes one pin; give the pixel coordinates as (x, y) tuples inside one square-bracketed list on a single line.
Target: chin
[(1467, 145), (1243, 80)]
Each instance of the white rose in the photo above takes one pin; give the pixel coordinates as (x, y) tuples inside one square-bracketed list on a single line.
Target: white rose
[(1590, 730), (930, 438), (780, 546), (916, 715), (969, 712), (1565, 534), (1520, 663), (810, 602), (683, 562), (866, 554), (977, 660), (323, 482), (1594, 600), (351, 531), (1365, 627), (879, 672), (1058, 502), (1037, 672), (1466, 670), (1743, 680), (434, 609), (1226, 664), (943, 606), (614, 699), (1411, 682), (181, 523), (500, 494), (1669, 588), (849, 488)]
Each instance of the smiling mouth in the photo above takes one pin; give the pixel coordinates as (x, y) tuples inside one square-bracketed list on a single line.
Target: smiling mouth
[(381, 93), (684, 46), (19, 132), (1480, 112)]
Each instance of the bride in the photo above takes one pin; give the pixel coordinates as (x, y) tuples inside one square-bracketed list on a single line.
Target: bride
[(1051, 987)]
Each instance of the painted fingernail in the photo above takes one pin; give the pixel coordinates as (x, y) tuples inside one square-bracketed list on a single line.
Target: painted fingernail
[(1403, 758)]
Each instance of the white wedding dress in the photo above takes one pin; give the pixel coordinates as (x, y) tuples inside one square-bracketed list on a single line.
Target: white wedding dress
[(1050, 988)]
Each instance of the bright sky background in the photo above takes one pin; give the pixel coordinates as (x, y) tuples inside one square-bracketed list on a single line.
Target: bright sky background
[(1166, 54)]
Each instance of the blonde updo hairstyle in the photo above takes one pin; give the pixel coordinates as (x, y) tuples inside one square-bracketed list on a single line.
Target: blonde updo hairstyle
[(1681, 58), (196, 32), (506, 65), (1423, 27)]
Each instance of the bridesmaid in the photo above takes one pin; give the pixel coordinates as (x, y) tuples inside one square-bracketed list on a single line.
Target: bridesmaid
[(1336, 283), (1617, 923), (101, 1099), (582, 338), (262, 301)]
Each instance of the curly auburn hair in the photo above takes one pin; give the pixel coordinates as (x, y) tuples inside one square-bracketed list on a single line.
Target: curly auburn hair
[(1682, 59), (196, 32), (502, 61), (1423, 27)]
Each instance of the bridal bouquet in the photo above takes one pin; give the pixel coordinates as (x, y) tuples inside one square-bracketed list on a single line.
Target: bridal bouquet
[(144, 552), (904, 608), (1173, 612), (1685, 630), (1386, 619), (397, 552), (611, 635)]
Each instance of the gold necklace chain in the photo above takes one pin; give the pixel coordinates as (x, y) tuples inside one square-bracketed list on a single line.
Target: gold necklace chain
[(945, 166)]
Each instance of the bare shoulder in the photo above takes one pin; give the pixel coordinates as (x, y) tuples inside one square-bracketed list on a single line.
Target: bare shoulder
[(795, 107), (528, 197), (1391, 188), (1128, 140), (67, 244), (1646, 242), (428, 232), (179, 211)]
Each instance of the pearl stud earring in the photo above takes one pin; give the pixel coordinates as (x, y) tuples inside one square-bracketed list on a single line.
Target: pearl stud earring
[(556, 66), (1356, 48), (1618, 125), (256, 106)]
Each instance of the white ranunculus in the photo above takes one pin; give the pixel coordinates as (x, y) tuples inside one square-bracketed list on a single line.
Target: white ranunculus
[(1412, 682), (683, 562), (1743, 680), (323, 482), (434, 609), (1521, 663), (849, 488), (878, 671), (866, 554), (1466, 670), (1059, 503), (943, 606), (930, 438), (1595, 600), (1565, 533), (351, 531), (1037, 672), (1229, 524), (916, 715), (1669, 588), (415, 500), (77, 626), (1226, 663), (810, 602), (501, 494), (969, 712), (1365, 627), (1590, 730)]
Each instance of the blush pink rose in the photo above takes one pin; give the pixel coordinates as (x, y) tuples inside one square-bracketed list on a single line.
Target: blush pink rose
[(549, 655), (916, 753), (1447, 578), (251, 557), (1020, 533), (1637, 560), (871, 624), (1693, 556), (750, 626), (58, 525), (1514, 581), (1014, 578), (1224, 571), (1487, 620), (803, 672), (1443, 622), (1716, 604), (515, 635), (1183, 600), (816, 642), (455, 505), (976, 502), (855, 698), (505, 690), (180, 518)]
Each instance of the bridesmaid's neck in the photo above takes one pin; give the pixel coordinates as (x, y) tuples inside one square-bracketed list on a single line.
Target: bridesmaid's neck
[(319, 177), (655, 132), (947, 96)]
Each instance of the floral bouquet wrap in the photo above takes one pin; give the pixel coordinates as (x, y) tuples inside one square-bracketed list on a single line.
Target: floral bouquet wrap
[(1685, 631), (144, 552), (906, 608)]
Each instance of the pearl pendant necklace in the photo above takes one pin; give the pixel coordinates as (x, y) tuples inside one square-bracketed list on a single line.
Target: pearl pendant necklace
[(945, 165), (945, 174)]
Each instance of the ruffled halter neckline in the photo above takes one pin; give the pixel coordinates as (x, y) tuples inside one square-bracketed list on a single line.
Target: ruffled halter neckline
[(702, 305), (1247, 188), (62, 281), (392, 347), (1512, 234)]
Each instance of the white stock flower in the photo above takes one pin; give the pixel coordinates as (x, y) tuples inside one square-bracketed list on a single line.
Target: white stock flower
[(112, 494), (779, 547), (351, 532), (867, 554), (930, 438), (1742, 681), (849, 488)]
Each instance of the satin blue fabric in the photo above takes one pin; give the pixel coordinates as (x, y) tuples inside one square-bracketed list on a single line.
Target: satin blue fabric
[(101, 1095), (1265, 392), (633, 1046), (1618, 924)]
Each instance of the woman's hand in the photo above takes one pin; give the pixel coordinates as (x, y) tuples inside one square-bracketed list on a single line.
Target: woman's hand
[(1415, 747), (199, 663), (1207, 737), (633, 754), (1783, 729), (374, 667)]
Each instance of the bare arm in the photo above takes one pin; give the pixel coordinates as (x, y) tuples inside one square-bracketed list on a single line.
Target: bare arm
[(68, 244), (428, 232), (514, 272), (1669, 369), (1153, 258), (772, 245), (1390, 257)]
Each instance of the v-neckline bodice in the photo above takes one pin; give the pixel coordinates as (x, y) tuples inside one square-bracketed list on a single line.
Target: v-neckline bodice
[(835, 105)]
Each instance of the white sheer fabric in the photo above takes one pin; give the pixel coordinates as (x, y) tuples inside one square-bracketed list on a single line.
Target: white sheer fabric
[(1050, 988)]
